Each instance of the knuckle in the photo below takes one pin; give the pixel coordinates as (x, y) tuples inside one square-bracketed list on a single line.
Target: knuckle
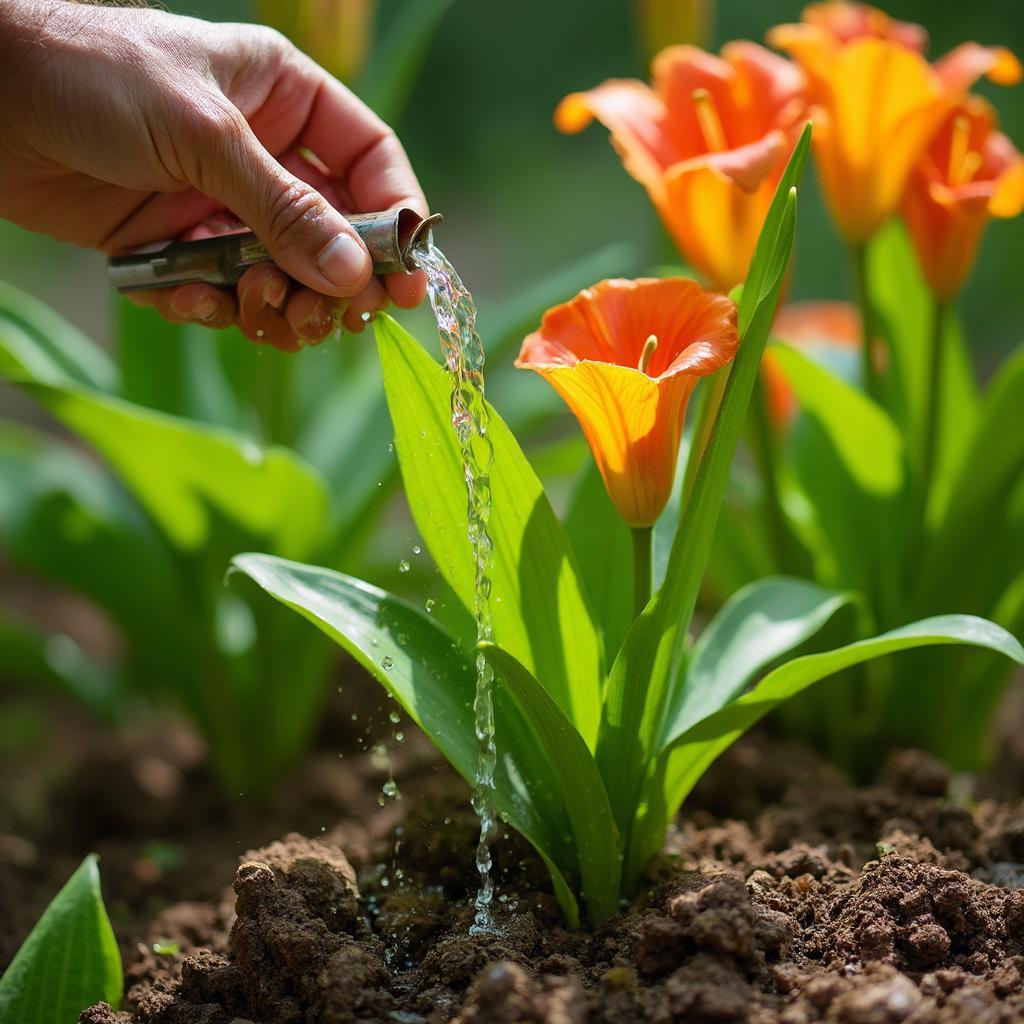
[(292, 210)]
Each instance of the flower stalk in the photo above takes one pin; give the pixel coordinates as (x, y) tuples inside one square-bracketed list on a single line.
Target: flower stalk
[(642, 537)]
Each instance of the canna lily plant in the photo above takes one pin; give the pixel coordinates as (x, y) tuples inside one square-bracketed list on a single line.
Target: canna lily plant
[(598, 741), (876, 466)]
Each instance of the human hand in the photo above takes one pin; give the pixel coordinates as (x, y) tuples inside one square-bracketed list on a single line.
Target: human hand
[(124, 127)]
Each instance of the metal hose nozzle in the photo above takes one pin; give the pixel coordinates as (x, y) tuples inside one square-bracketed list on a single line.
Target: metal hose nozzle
[(390, 237)]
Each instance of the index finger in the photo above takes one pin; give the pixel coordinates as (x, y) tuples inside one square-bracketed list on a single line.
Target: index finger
[(365, 154)]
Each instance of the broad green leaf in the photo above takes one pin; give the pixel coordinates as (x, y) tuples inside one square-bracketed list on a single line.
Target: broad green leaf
[(37, 343), (604, 553), (654, 648), (846, 459), (863, 436), (681, 765), (396, 61), (68, 962), (539, 612), (579, 785), (433, 679), (756, 626), (180, 471)]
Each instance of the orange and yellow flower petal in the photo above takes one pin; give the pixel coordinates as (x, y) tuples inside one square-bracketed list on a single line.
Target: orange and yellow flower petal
[(589, 349)]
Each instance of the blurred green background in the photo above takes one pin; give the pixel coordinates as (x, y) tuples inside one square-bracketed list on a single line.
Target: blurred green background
[(520, 200)]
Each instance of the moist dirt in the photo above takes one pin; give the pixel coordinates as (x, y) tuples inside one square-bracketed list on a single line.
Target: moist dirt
[(785, 895)]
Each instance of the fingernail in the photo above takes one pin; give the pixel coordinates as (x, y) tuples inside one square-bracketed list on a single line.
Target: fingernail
[(342, 261), (318, 321), (274, 292), (205, 308)]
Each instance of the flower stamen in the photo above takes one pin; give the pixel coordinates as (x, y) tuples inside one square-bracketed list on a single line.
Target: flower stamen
[(650, 345), (709, 121), (963, 162)]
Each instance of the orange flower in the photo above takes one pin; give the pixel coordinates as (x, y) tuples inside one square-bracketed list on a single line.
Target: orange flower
[(877, 105), (625, 356), (709, 142), (824, 330), (849, 21), (969, 173)]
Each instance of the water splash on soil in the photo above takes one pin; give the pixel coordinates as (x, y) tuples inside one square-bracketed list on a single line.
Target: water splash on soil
[(464, 355)]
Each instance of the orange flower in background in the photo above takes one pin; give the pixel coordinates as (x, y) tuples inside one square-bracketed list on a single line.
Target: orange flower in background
[(969, 173), (625, 356), (877, 104), (824, 330), (709, 142), (848, 21)]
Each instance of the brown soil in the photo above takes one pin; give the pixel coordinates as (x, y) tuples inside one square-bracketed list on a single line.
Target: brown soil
[(785, 896)]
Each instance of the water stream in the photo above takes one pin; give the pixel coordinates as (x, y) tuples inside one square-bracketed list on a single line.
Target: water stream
[(464, 355)]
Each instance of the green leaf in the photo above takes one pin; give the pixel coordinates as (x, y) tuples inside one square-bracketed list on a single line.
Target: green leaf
[(862, 435), (174, 368), (396, 62), (434, 680), (755, 627), (68, 962), (904, 303), (579, 785), (604, 553), (970, 533), (847, 461), (539, 612), (180, 471), (681, 765), (653, 651), (37, 343)]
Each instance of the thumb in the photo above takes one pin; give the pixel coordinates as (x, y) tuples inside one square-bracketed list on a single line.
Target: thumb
[(306, 236)]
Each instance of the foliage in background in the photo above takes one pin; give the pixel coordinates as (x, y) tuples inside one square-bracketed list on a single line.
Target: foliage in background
[(597, 747), (69, 961)]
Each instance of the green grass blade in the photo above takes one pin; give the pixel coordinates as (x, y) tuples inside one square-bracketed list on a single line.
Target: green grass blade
[(434, 680), (681, 765), (579, 785), (68, 962), (653, 650), (754, 628), (537, 603)]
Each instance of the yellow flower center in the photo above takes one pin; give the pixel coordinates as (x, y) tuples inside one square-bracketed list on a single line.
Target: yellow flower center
[(650, 345), (963, 161), (709, 121)]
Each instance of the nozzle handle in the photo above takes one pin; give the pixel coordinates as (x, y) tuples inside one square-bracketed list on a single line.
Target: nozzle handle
[(389, 235)]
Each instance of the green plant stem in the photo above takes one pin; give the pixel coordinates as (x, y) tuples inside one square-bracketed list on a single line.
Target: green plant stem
[(868, 322), (763, 442), (940, 309), (642, 536)]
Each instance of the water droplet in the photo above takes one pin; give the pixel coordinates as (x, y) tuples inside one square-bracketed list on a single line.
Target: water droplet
[(390, 789), (399, 737), (394, 718), (404, 566), (430, 605), (387, 663), (259, 334), (416, 549)]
